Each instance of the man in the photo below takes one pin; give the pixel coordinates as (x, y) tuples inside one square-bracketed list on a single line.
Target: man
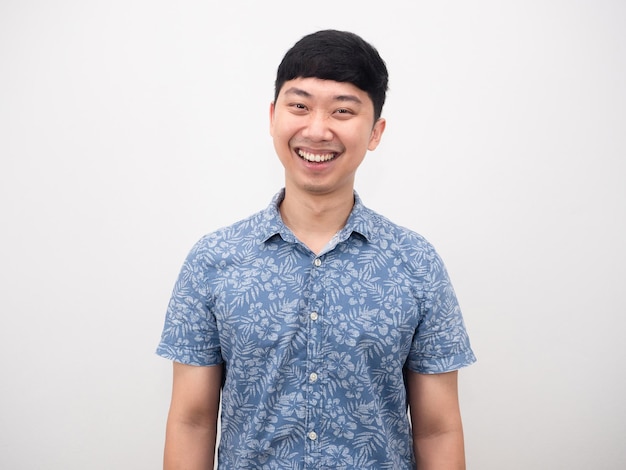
[(317, 320)]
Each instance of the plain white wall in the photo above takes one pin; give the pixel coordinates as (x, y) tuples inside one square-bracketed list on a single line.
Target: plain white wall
[(130, 128)]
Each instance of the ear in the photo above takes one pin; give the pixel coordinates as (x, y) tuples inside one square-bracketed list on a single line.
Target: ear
[(272, 108), (377, 133)]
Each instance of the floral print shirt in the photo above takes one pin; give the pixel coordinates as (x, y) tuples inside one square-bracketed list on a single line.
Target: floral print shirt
[(314, 346)]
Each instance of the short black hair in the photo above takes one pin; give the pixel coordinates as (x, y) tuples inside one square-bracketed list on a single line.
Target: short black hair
[(340, 56)]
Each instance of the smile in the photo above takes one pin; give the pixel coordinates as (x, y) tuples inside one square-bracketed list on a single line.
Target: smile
[(316, 157)]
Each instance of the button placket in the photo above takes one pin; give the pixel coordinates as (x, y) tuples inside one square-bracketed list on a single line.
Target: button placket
[(314, 362)]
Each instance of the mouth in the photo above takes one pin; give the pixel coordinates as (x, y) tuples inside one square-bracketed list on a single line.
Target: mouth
[(316, 157)]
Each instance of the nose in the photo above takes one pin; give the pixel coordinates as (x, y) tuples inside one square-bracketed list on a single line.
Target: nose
[(317, 128)]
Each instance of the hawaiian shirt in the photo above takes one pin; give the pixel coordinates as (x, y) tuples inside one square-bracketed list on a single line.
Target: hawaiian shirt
[(314, 345)]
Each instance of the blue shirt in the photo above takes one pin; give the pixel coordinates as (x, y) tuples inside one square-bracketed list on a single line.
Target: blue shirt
[(314, 346)]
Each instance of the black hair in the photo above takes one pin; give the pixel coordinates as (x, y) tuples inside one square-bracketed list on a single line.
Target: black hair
[(340, 56)]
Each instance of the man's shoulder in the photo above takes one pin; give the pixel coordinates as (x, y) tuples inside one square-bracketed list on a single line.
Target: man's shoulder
[(383, 228), (250, 227), (242, 236)]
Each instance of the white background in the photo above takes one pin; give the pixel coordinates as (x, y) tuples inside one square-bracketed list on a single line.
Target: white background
[(130, 128)]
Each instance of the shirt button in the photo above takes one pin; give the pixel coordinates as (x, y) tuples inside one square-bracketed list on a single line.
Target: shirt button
[(317, 262), (313, 377), (314, 316), (312, 435)]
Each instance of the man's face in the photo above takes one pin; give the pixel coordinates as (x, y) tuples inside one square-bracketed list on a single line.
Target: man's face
[(322, 130)]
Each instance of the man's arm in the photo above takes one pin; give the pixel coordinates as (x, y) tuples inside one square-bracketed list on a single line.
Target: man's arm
[(192, 420), (436, 419)]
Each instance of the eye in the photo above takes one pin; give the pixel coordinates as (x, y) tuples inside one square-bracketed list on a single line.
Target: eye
[(298, 108), (344, 112)]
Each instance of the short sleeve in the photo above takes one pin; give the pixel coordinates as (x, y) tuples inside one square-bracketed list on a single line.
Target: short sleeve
[(190, 334), (441, 343)]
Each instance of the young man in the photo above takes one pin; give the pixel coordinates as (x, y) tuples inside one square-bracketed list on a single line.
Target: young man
[(317, 320)]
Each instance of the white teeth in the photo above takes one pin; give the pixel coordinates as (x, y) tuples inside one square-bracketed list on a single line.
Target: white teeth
[(314, 157)]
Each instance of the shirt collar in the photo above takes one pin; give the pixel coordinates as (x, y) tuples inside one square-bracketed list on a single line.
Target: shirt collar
[(359, 221)]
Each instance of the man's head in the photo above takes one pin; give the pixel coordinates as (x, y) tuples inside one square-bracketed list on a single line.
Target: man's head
[(339, 56)]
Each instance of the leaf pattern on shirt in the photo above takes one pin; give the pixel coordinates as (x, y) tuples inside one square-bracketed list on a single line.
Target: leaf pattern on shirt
[(315, 348)]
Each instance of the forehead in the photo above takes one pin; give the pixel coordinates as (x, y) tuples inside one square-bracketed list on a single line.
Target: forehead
[(324, 90)]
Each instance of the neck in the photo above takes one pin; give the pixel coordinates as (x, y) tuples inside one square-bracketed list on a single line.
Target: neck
[(315, 219)]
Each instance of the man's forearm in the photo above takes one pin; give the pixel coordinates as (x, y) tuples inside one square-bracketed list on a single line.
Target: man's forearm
[(189, 447), (442, 451)]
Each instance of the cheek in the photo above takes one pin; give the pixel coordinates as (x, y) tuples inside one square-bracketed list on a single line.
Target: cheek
[(281, 141), (281, 130), (361, 141)]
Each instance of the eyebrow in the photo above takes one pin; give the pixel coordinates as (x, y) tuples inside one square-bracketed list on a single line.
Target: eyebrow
[(305, 94)]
